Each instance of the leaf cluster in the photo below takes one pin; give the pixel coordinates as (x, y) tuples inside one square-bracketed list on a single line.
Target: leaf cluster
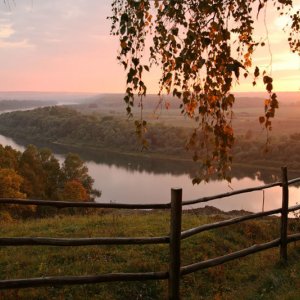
[(202, 48)]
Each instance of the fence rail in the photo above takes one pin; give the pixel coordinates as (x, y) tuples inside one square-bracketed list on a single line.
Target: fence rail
[(65, 204), (190, 232), (39, 241), (229, 194), (175, 270), (75, 280)]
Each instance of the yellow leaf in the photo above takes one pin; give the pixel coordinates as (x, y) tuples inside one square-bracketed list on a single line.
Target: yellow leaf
[(267, 102)]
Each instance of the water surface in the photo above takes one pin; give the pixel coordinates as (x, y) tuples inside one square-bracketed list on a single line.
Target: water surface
[(125, 179)]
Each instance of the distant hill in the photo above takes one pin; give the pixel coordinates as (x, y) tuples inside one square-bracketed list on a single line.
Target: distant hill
[(10, 105), (115, 101), (45, 96), (243, 100)]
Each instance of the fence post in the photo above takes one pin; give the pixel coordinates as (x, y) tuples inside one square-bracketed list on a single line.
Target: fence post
[(175, 238), (284, 214)]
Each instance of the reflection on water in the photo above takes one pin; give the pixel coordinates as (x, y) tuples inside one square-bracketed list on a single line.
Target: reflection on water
[(131, 179), (10, 142)]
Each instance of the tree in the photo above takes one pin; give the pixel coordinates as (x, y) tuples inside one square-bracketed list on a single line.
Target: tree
[(75, 191), (31, 170), (52, 173), (41, 172), (9, 157), (10, 187), (202, 47), (74, 170), (10, 184)]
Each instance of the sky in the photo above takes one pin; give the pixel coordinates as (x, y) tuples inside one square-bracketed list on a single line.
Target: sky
[(65, 46)]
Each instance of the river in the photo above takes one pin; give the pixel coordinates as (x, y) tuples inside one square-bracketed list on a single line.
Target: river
[(125, 179)]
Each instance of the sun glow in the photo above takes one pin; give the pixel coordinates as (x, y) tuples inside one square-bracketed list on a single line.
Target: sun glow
[(62, 46)]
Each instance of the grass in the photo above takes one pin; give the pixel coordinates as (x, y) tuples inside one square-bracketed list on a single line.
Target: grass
[(259, 276)]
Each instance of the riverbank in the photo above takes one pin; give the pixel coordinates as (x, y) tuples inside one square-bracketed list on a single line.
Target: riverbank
[(258, 276), (166, 163)]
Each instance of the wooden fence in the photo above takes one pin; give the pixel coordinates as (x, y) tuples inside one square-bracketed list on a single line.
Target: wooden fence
[(175, 271)]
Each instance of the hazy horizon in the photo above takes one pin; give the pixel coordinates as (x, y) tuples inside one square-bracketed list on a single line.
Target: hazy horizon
[(81, 97)]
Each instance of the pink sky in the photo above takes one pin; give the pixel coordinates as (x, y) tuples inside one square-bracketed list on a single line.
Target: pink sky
[(65, 46)]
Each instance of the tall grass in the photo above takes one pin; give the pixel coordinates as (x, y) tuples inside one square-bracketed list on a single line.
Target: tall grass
[(258, 276)]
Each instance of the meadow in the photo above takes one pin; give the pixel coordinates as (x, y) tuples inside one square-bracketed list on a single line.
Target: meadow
[(259, 276)]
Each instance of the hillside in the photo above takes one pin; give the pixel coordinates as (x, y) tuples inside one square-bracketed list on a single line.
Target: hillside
[(66, 126), (7, 105), (243, 100), (258, 276)]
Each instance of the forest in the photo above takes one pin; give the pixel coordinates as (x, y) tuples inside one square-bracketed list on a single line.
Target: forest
[(37, 174), (64, 125)]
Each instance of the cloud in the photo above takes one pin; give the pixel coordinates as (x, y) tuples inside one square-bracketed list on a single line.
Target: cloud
[(287, 61), (7, 37), (6, 31), (284, 60), (13, 45), (56, 27)]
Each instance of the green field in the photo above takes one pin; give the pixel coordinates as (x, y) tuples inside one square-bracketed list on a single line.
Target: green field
[(258, 276)]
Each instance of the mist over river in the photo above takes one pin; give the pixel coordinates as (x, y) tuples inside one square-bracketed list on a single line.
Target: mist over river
[(130, 179)]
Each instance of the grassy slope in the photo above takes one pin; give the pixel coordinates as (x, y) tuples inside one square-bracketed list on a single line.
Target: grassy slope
[(258, 276)]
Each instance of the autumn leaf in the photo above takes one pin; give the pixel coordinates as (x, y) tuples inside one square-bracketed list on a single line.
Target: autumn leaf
[(261, 120)]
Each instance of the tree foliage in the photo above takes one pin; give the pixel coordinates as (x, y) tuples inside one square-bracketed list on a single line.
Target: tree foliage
[(203, 48), (10, 187), (10, 184), (74, 190), (75, 169), (37, 174)]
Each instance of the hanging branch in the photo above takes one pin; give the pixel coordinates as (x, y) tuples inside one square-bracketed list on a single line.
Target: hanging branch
[(202, 47)]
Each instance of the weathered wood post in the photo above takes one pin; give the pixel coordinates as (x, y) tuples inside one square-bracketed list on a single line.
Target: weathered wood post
[(284, 214), (175, 238)]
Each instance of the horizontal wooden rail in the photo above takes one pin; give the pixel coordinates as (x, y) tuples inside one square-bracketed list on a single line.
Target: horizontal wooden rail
[(224, 195), (293, 237), (190, 232), (295, 180), (40, 241), (242, 191), (247, 251), (293, 208), (222, 259), (73, 280), (64, 204)]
